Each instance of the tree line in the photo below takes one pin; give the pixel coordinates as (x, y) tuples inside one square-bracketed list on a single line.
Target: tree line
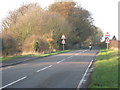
[(33, 29)]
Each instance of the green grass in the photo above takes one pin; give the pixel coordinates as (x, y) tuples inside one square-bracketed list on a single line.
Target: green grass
[(40, 55), (105, 74), (52, 53), (13, 57)]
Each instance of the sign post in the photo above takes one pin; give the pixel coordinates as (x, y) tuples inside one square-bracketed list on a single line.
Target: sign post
[(107, 41), (63, 41), (107, 35)]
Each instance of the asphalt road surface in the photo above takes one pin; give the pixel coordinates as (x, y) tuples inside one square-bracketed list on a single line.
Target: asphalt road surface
[(58, 71)]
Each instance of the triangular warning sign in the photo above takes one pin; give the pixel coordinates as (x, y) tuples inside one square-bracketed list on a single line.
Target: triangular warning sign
[(63, 37)]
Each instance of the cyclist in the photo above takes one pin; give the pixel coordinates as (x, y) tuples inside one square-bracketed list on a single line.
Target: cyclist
[(90, 46)]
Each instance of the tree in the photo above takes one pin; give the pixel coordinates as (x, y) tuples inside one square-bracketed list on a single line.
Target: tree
[(95, 36), (30, 24), (13, 17), (79, 18), (44, 24)]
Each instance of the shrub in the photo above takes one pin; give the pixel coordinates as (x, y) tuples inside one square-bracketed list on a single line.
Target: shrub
[(9, 44), (29, 44)]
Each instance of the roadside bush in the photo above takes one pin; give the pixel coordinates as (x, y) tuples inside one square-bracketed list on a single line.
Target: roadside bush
[(102, 45), (9, 44), (29, 44)]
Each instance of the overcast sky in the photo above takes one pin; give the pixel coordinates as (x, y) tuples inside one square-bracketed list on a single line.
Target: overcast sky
[(104, 12)]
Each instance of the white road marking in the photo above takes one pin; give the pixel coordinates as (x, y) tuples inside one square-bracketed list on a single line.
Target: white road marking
[(80, 52), (44, 68), (61, 61), (39, 70), (83, 78), (58, 62), (13, 82), (70, 57), (84, 51)]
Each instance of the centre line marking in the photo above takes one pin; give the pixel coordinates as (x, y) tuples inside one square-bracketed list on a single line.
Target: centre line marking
[(70, 57), (44, 68), (84, 51), (61, 61), (58, 62), (13, 82)]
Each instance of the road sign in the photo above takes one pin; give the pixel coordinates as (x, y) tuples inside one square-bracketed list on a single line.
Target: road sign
[(63, 41), (107, 40), (107, 35), (63, 37)]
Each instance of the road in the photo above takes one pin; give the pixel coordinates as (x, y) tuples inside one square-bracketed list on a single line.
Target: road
[(58, 71)]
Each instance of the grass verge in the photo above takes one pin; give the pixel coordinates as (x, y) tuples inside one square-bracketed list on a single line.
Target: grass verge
[(52, 53), (105, 74), (40, 55), (13, 57)]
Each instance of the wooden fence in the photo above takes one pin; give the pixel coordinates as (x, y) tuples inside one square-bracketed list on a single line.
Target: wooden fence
[(114, 44)]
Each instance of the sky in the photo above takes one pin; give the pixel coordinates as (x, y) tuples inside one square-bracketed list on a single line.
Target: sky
[(104, 12)]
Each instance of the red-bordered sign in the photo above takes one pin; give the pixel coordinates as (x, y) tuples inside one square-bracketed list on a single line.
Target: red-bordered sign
[(63, 37), (107, 40), (107, 35), (63, 41)]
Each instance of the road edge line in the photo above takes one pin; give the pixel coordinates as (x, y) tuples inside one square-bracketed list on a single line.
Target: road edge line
[(81, 81)]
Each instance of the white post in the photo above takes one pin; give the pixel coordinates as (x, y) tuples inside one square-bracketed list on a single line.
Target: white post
[(107, 46), (63, 46)]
